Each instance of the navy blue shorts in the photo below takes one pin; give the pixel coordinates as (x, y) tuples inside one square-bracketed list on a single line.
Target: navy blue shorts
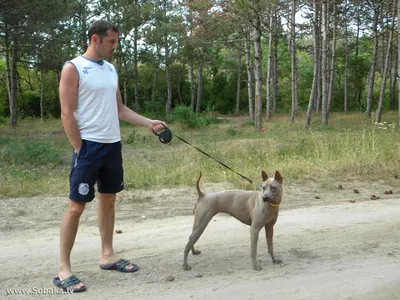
[(99, 163)]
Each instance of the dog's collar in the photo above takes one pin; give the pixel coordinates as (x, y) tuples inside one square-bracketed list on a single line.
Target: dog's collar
[(273, 204)]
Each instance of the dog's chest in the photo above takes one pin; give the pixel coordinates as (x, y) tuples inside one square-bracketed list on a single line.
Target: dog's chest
[(263, 213), (269, 215)]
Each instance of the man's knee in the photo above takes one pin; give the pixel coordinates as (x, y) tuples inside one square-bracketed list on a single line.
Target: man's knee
[(106, 201), (76, 209)]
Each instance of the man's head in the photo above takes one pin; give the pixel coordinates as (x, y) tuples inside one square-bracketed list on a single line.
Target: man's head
[(103, 37)]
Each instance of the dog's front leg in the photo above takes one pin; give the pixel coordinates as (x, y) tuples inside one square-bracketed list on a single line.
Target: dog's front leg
[(269, 233), (254, 231)]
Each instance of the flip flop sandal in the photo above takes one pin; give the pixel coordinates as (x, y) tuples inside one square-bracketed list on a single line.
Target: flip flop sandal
[(120, 266), (67, 283)]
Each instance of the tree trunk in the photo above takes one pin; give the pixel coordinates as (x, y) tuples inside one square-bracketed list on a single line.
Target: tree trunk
[(358, 19), (314, 87), (135, 70), (324, 63), (384, 41), (319, 81), (58, 77), (371, 75), (14, 85), (393, 78), (346, 64), (125, 82), (84, 38), (41, 95), (180, 100), (168, 73), (20, 87), (8, 69), (200, 82), (192, 87), (398, 57), (126, 91), (258, 74), (239, 71), (249, 69), (384, 75), (333, 60), (294, 62), (29, 82), (275, 63), (269, 67), (154, 88)]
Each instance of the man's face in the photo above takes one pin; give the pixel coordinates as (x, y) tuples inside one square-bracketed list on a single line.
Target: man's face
[(106, 47)]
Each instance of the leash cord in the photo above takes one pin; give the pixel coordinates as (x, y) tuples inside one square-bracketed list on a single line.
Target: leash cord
[(221, 163)]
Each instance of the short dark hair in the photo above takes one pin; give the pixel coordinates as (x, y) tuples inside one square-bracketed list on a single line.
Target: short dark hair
[(100, 28)]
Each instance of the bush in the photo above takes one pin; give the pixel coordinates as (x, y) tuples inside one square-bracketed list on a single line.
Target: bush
[(190, 119), (184, 115), (3, 120)]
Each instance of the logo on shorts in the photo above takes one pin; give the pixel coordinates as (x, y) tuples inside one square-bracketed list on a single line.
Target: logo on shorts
[(83, 189)]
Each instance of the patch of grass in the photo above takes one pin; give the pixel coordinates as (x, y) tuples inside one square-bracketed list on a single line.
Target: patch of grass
[(29, 153), (35, 158)]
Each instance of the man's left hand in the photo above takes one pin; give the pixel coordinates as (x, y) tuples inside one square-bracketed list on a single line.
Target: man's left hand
[(156, 125)]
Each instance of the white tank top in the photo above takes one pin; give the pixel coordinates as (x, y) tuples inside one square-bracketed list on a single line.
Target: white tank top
[(97, 110)]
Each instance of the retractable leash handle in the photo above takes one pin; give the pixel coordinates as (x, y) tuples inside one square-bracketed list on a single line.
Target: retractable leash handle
[(164, 136)]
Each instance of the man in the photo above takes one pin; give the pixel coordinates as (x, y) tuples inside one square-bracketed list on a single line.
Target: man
[(90, 107)]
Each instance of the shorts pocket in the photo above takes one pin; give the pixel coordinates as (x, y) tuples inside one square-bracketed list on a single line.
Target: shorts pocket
[(83, 151)]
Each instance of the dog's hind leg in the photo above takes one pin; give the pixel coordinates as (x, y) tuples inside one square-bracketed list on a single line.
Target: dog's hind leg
[(195, 252), (198, 229)]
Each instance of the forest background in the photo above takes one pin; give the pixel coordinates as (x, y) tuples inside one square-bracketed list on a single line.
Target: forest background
[(255, 58)]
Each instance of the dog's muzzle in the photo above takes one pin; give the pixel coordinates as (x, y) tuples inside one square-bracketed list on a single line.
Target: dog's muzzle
[(267, 199)]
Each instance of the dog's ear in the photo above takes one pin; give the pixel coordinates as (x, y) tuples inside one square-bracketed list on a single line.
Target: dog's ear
[(278, 177), (264, 175)]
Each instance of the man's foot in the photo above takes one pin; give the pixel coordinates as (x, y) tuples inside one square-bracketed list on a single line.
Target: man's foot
[(121, 265), (70, 284)]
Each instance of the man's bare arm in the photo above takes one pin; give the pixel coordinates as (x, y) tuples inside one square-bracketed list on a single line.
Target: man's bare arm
[(69, 100), (128, 115)]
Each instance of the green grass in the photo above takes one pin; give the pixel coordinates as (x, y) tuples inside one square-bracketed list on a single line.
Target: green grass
[(35, 157)]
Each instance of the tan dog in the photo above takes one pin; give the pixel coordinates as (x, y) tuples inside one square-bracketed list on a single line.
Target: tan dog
[(257, 209)]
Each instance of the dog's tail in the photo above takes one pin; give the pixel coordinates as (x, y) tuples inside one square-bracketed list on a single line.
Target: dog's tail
[(199, 192)]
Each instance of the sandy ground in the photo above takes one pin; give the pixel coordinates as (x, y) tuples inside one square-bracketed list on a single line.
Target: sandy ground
[(331, 247)]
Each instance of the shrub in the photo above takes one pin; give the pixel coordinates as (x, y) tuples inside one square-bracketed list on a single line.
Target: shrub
[(190, 119)]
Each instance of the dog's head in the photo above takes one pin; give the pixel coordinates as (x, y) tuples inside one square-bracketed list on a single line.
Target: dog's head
[(272, 188)]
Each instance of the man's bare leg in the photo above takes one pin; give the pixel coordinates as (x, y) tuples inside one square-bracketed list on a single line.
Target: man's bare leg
[(106, 220), (68, 230)]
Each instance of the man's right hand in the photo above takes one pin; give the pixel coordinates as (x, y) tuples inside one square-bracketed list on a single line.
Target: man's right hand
[(78, 149)]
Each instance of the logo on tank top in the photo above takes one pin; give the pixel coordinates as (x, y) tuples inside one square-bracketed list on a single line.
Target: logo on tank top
[(86, 70), (83, 189)]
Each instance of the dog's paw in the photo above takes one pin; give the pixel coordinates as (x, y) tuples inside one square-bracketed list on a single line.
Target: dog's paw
[(277, 261), (187, 267), (257, 267), (196, 252)]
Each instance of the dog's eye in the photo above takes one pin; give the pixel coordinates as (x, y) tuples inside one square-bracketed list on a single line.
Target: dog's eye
[(273, 189)]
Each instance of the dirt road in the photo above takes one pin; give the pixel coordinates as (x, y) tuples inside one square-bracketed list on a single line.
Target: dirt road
[(331, 248)]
